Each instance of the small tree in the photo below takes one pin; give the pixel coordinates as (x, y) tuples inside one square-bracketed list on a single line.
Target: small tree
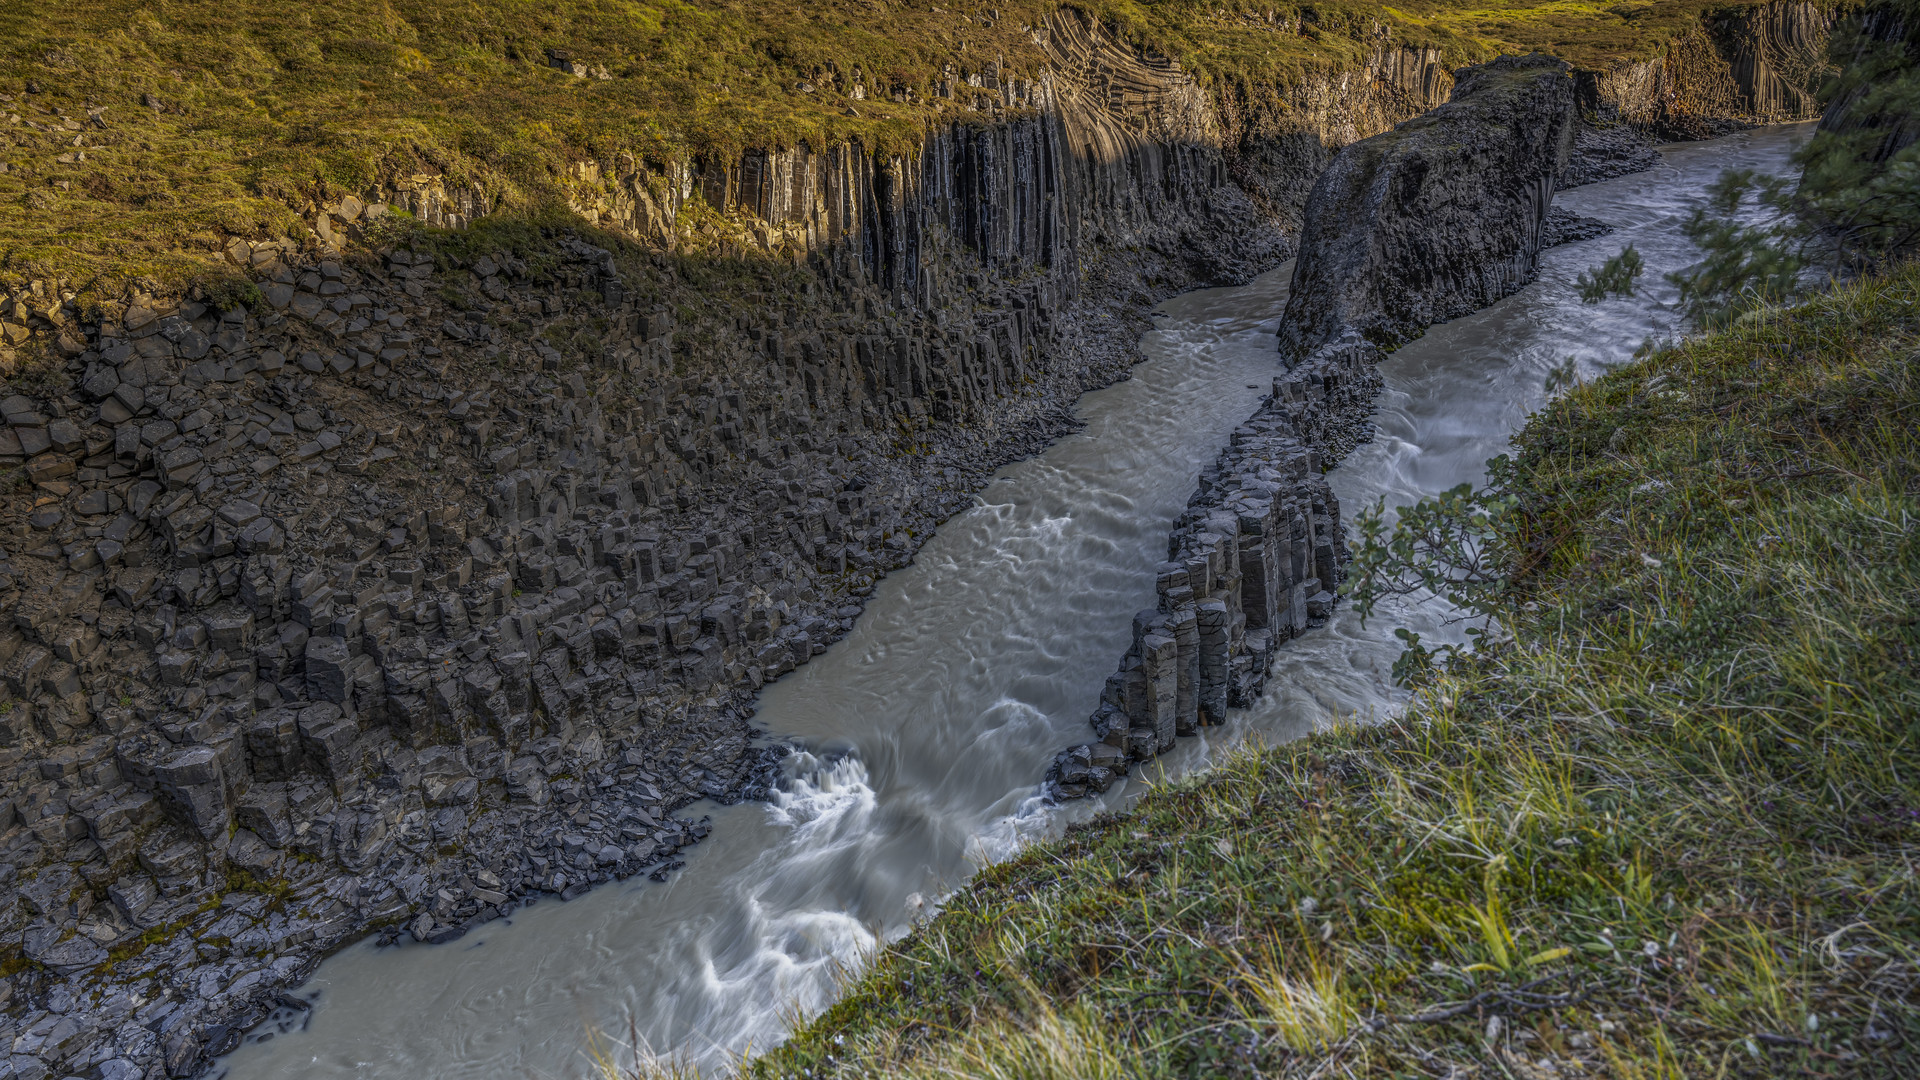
[(1456, 546), (1854, 208)]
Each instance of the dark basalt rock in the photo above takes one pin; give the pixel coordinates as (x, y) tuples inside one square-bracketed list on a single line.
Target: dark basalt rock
[(1437, 218), (1567, 227), (1603, 153)]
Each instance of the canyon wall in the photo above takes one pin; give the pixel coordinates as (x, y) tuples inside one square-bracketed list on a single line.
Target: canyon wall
[(426, 579), (1757, 65), (1439, 217)]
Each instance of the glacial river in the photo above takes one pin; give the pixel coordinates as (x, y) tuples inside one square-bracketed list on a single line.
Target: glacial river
[(926, 730)]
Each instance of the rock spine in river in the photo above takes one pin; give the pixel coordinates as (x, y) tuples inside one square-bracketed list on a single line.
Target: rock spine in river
[(1437, 218), (1251, 563)]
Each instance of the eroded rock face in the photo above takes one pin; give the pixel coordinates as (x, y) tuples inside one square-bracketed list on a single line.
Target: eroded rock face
[(1602, 152), (1437, 218), (1751, 65), (420, 587)]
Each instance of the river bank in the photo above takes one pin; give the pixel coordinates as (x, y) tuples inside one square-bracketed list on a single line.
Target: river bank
[(1665, 826), (920, 769)]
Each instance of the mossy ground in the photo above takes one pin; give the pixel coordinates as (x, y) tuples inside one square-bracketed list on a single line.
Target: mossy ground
[(237, 119), (1667, 829)]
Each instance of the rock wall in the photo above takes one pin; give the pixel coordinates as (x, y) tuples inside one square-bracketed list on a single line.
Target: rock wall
[(1097, 149), (1107, 148), (432, 580), (1756, 65), (1437, 218), (1279, 143)]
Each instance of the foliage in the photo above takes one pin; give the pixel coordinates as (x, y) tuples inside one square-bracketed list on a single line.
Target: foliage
[(1858, 182), (1454, 546), (1615, 277), (231, 291), (1693, 766), (1855, 206), (1748, 263)]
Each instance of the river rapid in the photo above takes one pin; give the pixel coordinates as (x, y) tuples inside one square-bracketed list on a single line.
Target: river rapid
[(924, 733)]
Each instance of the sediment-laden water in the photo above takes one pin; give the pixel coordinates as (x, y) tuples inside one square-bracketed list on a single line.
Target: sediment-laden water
[(927, 729)]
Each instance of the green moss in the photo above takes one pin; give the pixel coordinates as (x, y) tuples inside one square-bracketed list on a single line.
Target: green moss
[(1664, 829), (13, 962), (225, 120), (277, 889)]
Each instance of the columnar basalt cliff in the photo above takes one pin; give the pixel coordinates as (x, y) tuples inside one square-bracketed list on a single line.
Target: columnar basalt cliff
[(1107, 147), (1251, 563), (1437, 218), (1432, 220), (1758, 65), (432, 577)]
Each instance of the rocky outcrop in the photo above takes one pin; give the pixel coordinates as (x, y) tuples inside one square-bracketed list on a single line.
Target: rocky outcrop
[(1437, 218), (1278, 142), (1752, 65), (1602, 151), (1252, 562), (432, 579)]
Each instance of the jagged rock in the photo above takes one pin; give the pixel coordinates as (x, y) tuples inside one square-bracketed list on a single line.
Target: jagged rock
[(1567, 227), (1436, 218), (1603, 153)]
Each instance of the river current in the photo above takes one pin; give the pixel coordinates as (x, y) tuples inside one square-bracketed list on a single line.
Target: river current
[(925, 731)]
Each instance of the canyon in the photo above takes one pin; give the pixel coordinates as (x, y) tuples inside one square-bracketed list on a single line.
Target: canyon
[(419, 581)]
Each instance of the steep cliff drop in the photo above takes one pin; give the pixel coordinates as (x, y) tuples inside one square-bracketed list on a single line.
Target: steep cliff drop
[(1430, 221), (433, 578), (1437, 218)]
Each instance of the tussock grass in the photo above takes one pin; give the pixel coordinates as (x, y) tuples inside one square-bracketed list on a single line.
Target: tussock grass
[(239, 119), (1666, 828)]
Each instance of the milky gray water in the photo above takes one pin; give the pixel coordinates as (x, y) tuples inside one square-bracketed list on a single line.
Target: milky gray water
[(926, 730)]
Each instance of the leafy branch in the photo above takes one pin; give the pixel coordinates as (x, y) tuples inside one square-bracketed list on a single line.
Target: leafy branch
[(1457, 546)]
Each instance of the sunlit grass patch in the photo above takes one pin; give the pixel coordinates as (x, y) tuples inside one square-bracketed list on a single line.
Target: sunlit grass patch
[(150, 134)]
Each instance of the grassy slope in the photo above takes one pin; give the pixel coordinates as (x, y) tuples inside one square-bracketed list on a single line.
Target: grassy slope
[(267, 110), (1669, 830)]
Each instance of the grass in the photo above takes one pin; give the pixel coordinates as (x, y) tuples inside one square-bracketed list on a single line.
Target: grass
[(241, 119), (1666, 829)]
